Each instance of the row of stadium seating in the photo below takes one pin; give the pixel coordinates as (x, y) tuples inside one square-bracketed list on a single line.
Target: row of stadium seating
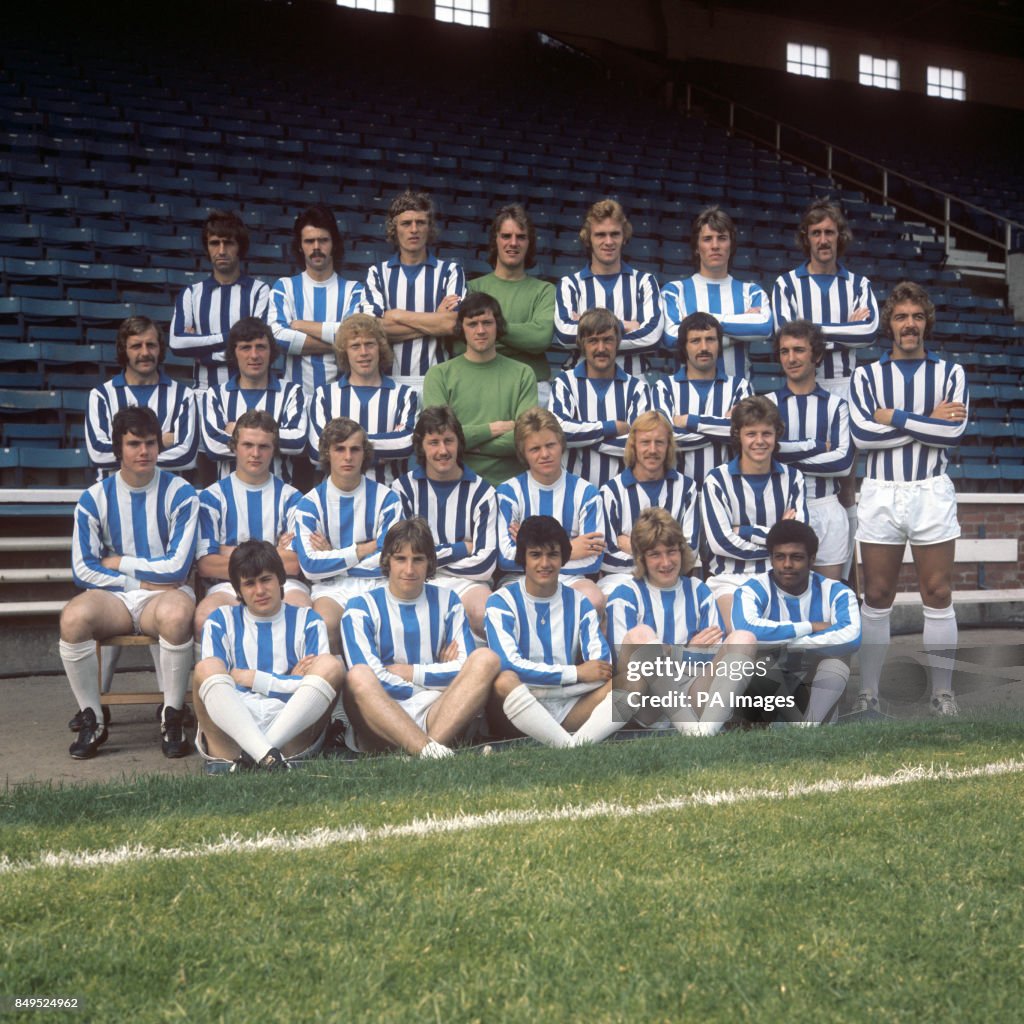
[(107, 172)]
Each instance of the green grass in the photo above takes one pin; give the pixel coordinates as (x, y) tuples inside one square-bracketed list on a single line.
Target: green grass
[(901, 904)]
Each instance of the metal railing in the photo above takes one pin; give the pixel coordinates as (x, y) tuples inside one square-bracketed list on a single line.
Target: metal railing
[(848, 168)]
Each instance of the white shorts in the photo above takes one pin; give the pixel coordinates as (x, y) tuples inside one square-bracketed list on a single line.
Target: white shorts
[(829, 521), (459, 583), (417, 707), (606, 584), (725, 584), (227, 587), (136, 600), (919, 511), (263, 710), (341, 591), (837, 386)]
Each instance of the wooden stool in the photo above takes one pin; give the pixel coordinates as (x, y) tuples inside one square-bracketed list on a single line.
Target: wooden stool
[(146, 697)]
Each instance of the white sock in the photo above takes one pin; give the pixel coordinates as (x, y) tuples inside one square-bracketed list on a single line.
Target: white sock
[(435, 751), (874, 646), (175, 669), (83, 674), (110, 656), (228, 712), (604, 720), (305, 707), (154, 653), (940, 639), (851, 522), (530, 717), (197, 651), (731, 680), (827, 687)]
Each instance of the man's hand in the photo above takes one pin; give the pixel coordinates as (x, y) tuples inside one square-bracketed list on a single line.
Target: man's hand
[(243, 677), (303, 665), (625, 543), (586, 545), (168, 438), (450, 653), (513, 529), (499, 427), (860, 314), (706, 637), (318, 542), (630, 325), (365, 548), (752, 309), (883, 416), (946, 410), (284, 542), (594, 672), (790, 513), (679, 421), (111, 562), (402, 671), (229, 428), (820, 627), (621, 428), (448, 303)]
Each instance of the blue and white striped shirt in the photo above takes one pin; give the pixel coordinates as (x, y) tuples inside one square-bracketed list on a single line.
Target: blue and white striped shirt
[(457, 511), (175, 407), (231, 511), (737, 511), (816, 439), (574, 502), (726, 300), (386, 413), (270, 646), (223, 404), (630, 295), (418, 289), (153, 529), (704, 442), (829, 301), (914, 446), (543, 639), (624, 498), (675, 614), (778, 618), (588, 408), (323, 302), (379, 630), (345, 518), (210, 309)]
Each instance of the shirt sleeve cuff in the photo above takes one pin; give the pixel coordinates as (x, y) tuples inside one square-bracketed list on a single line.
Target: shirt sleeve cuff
[(261, 682)]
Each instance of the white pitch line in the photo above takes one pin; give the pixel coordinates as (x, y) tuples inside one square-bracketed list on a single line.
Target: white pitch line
[(322, 838)]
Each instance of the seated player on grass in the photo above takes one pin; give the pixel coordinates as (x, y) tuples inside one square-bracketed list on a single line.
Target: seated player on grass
[(661, 608), (248, 504), (811, 621), (341, 523), (548, 489), (416, 680), (556, 667), (267, 680), (132, 550), (460, 508)]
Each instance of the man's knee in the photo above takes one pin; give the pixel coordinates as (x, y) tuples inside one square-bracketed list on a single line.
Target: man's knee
[(328, 667), (483, 661), (209, 667)]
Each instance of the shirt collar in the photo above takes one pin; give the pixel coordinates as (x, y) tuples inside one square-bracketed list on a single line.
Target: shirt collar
[(803, 271)]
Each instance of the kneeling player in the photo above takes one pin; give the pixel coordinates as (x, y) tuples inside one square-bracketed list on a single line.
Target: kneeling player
[(662, 607), (812, 621), (556, 667), (267, 681), (412, 682)]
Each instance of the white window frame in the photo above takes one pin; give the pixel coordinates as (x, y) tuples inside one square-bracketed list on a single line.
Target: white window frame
[(476, 13), (804, 59), (946, 83), (377, 6), (879, 72)]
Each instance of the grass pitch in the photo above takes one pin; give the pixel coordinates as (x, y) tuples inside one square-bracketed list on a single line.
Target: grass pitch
[(897, 903)]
